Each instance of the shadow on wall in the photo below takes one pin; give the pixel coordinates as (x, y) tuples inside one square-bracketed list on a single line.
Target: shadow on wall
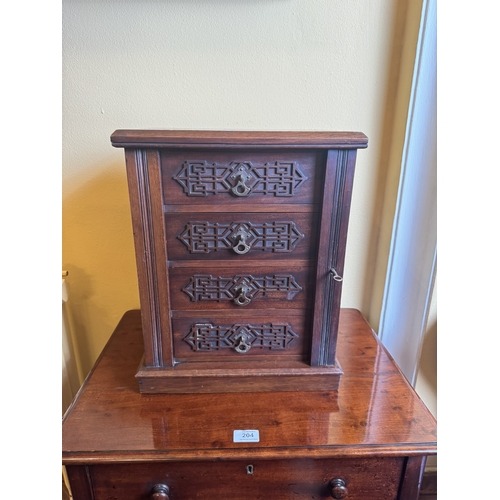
[(98, 253)]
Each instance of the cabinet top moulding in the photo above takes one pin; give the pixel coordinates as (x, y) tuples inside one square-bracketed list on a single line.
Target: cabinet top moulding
[(216, 139)]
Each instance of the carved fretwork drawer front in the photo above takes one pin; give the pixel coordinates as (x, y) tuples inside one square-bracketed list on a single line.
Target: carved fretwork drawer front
[(240, 236), (240, 242), (243, 337), (245, 177), (235, 289)]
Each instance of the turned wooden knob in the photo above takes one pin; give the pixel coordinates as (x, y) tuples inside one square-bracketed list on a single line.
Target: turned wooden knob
[(338, 489), (160, 492)]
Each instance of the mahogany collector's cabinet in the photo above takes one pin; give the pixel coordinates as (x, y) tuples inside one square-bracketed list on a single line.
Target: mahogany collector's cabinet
[(240, 242)]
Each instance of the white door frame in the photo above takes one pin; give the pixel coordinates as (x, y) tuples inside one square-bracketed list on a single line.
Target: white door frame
[(412, 258)]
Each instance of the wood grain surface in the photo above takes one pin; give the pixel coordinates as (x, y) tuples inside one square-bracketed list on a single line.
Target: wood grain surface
[(217, 139), (374, 413)]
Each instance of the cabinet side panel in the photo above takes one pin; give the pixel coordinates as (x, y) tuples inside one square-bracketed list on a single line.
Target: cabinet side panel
[(162, 288), (149, 240), (339, 175)]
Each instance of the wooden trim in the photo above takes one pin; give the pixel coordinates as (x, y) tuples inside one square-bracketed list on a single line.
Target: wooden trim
[(161, 277), (80, 482), (149, 236), (139, 197), (217, 139), (194, 379), (412, 478), (339, 178), (176, 455)]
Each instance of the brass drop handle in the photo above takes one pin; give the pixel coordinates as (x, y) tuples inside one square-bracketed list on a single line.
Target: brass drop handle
[(241, 299), (240, 246), (160, 492), (338, 489), (241, 345), (241, 176)]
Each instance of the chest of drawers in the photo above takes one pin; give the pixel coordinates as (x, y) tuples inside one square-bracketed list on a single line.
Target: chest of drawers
[(240, 241)]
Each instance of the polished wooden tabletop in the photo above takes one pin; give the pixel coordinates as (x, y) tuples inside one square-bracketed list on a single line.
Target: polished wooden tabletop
[(375, 412)]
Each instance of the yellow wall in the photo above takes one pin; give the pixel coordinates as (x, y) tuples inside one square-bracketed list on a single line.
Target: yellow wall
[(222, 64), (426, 383)]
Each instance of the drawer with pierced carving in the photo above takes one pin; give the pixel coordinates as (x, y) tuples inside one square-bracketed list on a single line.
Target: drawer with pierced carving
[(240, 242), (237, 290), (243, 337), (275, 177), (241, 236)]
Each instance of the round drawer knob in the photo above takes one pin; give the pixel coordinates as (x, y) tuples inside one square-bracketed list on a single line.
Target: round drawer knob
[(160, 492), (338, 489)]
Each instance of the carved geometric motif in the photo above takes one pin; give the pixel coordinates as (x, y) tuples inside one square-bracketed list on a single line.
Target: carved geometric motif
[(205, 237), (209, 337), (202, 287), (201, 178)]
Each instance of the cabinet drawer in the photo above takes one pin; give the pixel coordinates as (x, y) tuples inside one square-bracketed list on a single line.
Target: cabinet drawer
[(238, 289), (244, 177), (364, 479), (241, 236), (251, 335)]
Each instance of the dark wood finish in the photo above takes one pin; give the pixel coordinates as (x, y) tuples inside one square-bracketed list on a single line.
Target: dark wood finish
[(256, 377), (268, 287), (412, 479), (160, 492), (339, 177), (220, 201), (80, 482), (151, 255), (375, 479), (217, 139), (215, 170), (286, 236), (373, 433), (206, 338), (338, 488)]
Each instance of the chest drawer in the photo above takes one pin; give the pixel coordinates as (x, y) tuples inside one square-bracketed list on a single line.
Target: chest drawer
[(242, 287), (358, 479), (196, 177), (242, 236), (242, 337)]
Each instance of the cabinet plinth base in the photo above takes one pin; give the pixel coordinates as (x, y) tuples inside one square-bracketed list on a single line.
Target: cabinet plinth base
[(187, 378)]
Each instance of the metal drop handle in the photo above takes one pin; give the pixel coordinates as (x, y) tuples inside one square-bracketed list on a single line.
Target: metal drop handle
[(241, 299), (241, 176), (241, 346), (240, 246)]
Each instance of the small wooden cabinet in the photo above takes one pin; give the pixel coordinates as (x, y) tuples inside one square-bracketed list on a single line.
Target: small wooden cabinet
[(240, 240), (368, 440)]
